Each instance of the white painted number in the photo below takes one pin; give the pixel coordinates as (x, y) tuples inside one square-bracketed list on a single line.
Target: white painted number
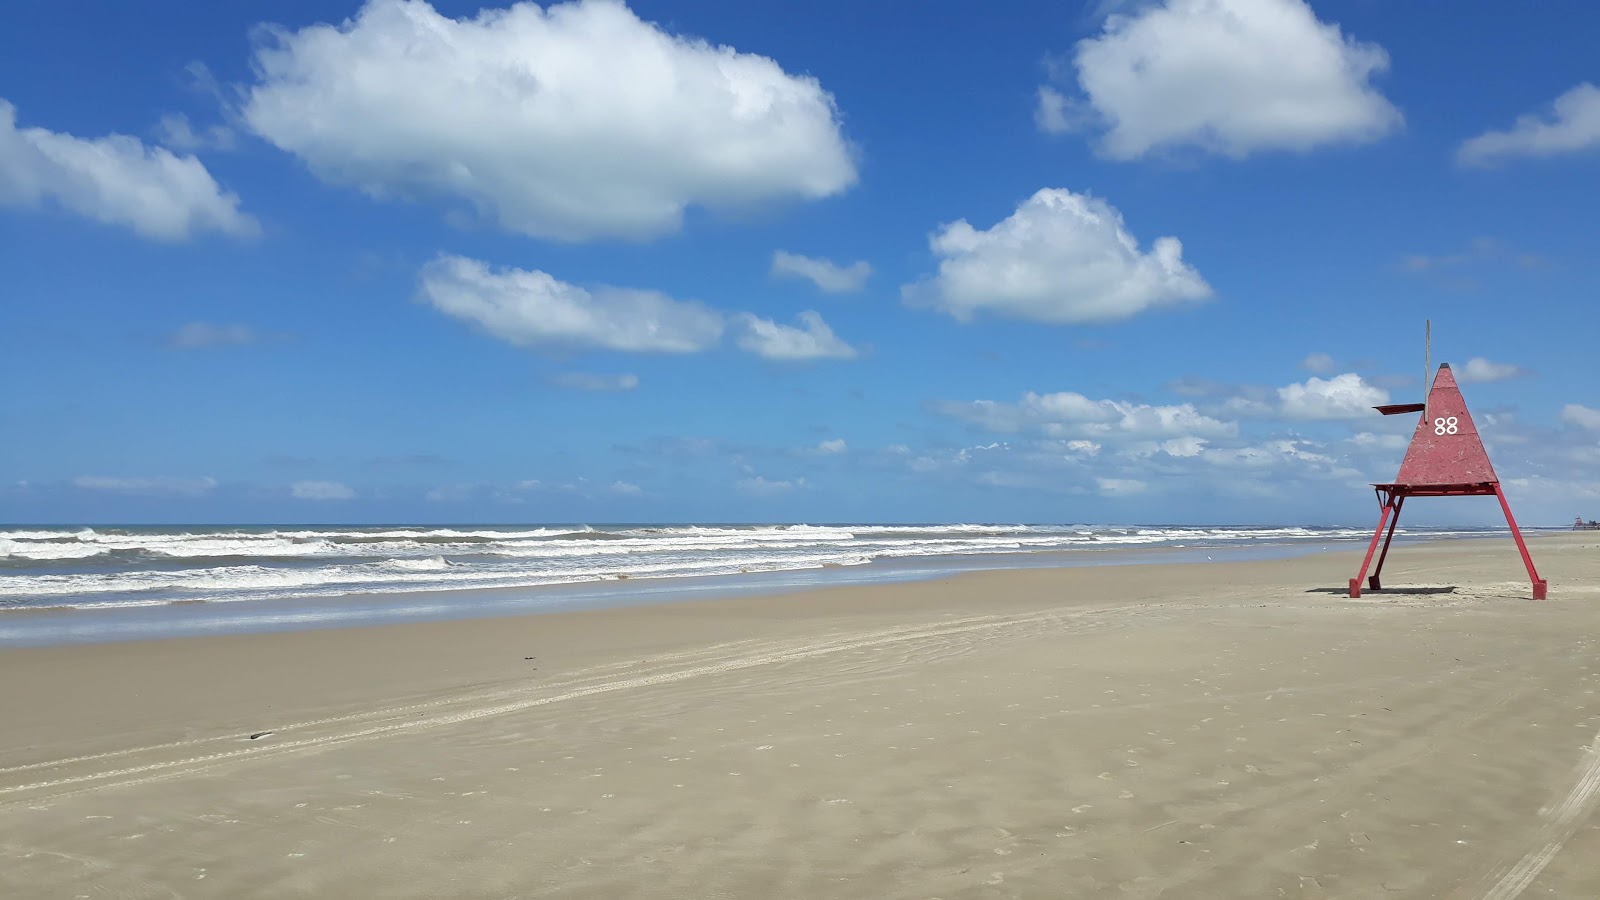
[(1445, 426)]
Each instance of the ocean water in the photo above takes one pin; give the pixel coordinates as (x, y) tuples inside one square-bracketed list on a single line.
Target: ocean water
[(107, 568)]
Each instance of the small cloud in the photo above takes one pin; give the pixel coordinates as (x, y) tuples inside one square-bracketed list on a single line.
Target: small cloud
[(828, 276), (1479, 370), (1418, 263), (1060, 258), (624, 489), (584, 381), (321, 490), (530, 308), (1344, 396), (1318, 364), (759, 486), (785, 343), (175, 132), (1366, 440), (1581, 416), (116, 180), (197, 77), (1120, 487), (1056, 113), (1480, 250), (1570, 125), (159, 486), (1184, 447), (202, 335), (835, 446)]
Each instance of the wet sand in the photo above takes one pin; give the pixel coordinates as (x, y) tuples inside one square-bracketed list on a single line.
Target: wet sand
[(1213, 730)]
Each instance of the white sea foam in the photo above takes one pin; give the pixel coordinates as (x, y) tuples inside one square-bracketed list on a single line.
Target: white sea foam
[(119, 567)]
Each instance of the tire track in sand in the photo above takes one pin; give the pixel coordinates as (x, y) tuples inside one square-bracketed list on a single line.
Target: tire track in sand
[(1561, 821), (667, 669)]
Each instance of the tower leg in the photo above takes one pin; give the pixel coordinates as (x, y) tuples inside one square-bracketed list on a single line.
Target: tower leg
[(1374, 582), (1383, 519), (1540, 586)]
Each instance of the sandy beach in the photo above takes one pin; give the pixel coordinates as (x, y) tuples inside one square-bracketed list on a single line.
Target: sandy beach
[(1200, 730)]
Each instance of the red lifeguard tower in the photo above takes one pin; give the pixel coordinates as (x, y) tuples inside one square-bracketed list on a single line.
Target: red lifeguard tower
[(1446, 459)]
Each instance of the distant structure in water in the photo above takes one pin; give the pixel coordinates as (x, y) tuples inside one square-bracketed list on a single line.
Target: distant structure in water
[(1446, 459), (1581, 525)]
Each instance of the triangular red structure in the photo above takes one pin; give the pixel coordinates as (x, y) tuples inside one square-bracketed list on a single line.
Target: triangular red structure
[(1446, 459), (1446, 448)]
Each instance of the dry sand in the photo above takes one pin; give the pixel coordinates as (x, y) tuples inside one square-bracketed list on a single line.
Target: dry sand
[(1225, 730)]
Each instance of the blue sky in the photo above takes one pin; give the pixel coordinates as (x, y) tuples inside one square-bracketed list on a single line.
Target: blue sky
[(833, 261)]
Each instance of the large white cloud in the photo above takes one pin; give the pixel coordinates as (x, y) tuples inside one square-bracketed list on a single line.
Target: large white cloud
[(116, 180), (1570, 125), (533, 309), (1230, 77), (1060, 258), (573, 122), (1070, 414), (1345, 396), (813, 339)]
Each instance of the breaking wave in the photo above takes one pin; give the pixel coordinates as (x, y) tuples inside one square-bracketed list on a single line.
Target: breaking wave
[(108, 567)]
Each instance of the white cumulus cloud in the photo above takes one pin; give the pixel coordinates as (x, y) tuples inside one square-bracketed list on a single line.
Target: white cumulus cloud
[(813, 339), (828, 276), (1230, 77), (573, 122), (1480, 370), (1059, 258), (116, 180), (1570, 125), (1345, 396), (532, 309), (324, 490), (1581, 416)]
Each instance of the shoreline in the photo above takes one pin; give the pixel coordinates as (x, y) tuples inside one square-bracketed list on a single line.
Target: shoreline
[(64, 624)]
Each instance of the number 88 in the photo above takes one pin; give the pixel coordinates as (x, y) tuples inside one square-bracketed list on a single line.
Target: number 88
[(1445, 426)]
